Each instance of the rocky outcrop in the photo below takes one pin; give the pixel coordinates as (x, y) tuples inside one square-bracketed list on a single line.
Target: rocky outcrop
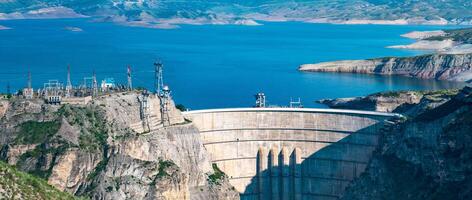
[(19, 185), (405, 102), (425, 157), (457, 67), (107, 150)]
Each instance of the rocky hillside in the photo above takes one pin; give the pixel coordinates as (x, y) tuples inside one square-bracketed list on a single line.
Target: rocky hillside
[(104, 150), (407, 103), (425, 157), (452, 67), (15, 184), (155, 13)]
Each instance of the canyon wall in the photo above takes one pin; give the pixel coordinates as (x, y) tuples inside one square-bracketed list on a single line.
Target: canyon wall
[(106, 149), (457, 67)]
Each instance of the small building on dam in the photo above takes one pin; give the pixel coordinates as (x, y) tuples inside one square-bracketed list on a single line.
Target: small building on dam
[(290, 153)]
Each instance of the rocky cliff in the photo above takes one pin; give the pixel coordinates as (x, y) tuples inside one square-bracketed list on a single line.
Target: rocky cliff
[(15, 184), (425, 157), (452, 67), (106, 150), (405, 102)]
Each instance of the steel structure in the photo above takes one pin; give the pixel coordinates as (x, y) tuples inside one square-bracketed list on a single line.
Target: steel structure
[(69, 83), (52, 92), (295, 104), (165, 106), (28, 92), (130, 84), (95, 85), (159, 77), (260, 100), (144, 110)]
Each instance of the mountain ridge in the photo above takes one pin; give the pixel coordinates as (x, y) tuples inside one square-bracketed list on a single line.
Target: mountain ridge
[(158, 13)]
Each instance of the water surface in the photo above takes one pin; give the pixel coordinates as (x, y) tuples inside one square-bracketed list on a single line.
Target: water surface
[(209, 66)]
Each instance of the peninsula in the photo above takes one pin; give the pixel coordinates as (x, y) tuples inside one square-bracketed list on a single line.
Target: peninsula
[(453, 62)]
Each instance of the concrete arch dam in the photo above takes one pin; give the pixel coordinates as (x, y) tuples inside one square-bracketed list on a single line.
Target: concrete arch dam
[(290, 153)]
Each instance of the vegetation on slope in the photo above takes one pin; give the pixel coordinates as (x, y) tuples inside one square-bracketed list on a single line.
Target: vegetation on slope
[(19, 185), (458, 35), (33, 132), (217, 175)]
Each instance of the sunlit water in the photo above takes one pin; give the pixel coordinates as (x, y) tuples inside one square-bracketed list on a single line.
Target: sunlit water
[(209, 66)]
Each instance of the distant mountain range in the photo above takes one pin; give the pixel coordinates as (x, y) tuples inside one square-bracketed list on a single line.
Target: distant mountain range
[(167, 13)]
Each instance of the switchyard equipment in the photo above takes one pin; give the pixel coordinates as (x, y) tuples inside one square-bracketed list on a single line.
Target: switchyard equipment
[(28, 92), (86, 87), (296, 104), (260, 100), (52, 92)]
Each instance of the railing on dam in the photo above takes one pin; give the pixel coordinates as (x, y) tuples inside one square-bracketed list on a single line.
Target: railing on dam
[(289, 153)]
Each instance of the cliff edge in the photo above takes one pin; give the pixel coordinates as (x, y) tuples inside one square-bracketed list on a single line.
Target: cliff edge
[(451, 67), (107, 150), (425, 157)]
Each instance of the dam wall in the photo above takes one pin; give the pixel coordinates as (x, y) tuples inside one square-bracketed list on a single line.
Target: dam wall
[(285, 153)]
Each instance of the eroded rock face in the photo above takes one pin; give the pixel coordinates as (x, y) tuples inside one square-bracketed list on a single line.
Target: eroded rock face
[(409, 103), (4, 104), (71, 170), (457, 67), (426, 157), (103, 149)]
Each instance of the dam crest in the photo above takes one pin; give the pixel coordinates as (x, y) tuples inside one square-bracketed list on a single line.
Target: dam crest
[(290, 153)]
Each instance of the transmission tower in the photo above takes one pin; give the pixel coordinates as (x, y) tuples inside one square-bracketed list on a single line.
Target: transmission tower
[(95, 85), (144, 110), (165, 106), (130, 84), (159, 80), (28, 91), (69, 83), (29, 80)]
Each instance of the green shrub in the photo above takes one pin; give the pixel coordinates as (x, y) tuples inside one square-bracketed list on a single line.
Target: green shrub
[(217, 175), (33, 132)]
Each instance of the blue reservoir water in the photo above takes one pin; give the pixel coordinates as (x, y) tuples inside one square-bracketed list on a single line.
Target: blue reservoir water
[(209, 66)]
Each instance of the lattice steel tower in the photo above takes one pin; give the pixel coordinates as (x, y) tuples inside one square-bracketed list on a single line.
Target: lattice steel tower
[(165, 106), (130, 84), (159, 79), (69, 83), (95, 85)]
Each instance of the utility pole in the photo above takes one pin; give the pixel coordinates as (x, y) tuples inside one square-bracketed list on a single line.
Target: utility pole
[(159, 80), (69, 83), (130, 84)]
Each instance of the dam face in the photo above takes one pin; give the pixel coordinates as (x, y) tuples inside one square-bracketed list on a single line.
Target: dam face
[(293, 154)]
